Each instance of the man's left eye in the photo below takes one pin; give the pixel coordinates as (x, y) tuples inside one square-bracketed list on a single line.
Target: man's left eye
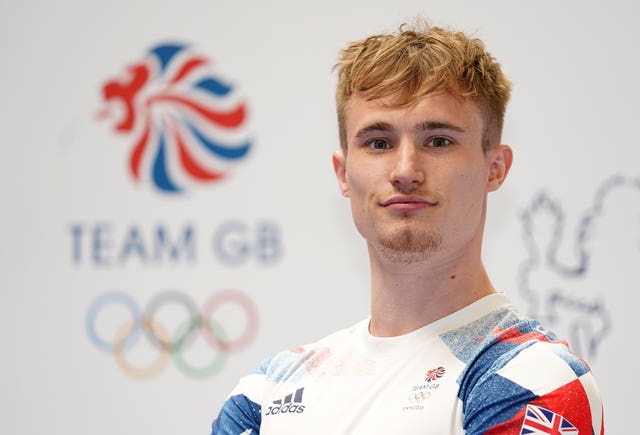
[(439, 142), (379, 144)]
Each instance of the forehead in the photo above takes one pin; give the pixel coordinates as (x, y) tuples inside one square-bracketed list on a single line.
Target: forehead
[(438, 108)]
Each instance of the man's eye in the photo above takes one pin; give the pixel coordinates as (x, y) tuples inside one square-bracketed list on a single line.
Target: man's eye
[(378, 144), (439, 142)]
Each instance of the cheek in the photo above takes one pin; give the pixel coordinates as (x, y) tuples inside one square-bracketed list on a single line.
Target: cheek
[(473, 175), (362, 193), (469, 187), (358, 194), (356, 181)]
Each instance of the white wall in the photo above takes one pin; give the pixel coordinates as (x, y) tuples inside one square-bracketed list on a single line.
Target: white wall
[(563, 236)]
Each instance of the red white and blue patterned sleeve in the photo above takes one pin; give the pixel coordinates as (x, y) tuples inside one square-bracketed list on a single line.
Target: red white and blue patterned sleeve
[(533, 387), (241, 414)]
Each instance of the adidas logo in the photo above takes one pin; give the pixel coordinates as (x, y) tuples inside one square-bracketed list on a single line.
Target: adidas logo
[(291, 404)]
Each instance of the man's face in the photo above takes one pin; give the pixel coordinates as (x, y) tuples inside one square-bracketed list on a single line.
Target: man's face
[(417, 177)]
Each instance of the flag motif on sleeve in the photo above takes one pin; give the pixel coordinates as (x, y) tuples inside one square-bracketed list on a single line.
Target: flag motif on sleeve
[(542, 421)]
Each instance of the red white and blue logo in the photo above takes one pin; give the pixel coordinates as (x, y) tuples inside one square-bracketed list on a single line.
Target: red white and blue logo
[(188, 124), (542, 421), (434, 374)]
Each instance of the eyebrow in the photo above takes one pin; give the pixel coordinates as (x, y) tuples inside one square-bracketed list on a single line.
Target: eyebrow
[(436, 125), (382, 126), (375, 127)]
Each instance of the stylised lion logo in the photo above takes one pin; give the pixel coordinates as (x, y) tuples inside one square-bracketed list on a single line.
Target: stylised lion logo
[(188, 125), (574, 296)]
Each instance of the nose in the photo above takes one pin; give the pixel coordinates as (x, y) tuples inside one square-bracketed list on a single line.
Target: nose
[(407, 172)]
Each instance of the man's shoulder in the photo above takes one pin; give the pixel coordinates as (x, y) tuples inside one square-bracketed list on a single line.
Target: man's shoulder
[(289, 363), (512, 340), (509, 347), (521, 368), (517, 339)]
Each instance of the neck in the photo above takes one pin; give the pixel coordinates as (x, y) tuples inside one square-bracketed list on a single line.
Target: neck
[(405, 297)]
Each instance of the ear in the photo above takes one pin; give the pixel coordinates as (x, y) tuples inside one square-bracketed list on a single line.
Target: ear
[(340, 168), (499, 158)]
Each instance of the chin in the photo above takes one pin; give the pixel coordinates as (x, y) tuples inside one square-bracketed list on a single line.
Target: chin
[(408, 246)]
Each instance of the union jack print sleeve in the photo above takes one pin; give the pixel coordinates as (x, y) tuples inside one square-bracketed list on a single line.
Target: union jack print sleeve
[(536, 388)]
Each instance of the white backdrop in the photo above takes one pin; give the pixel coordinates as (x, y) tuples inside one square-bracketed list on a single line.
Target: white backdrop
[(562, 238)]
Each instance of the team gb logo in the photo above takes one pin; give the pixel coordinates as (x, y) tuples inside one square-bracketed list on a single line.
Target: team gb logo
[(187, 125)]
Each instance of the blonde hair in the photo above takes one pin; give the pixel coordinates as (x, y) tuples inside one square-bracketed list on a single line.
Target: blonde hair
[(412, 63)]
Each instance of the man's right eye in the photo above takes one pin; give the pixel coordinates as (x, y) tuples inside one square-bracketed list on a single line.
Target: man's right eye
[(379, 144)]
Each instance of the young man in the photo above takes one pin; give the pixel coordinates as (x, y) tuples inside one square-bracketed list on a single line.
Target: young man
[(420, 116)]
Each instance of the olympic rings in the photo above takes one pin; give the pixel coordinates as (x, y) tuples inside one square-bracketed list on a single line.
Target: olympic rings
[(241, 299), (140, 372), (180, 298), (92, 313), (144, 324), (201, 372), (419, 396)]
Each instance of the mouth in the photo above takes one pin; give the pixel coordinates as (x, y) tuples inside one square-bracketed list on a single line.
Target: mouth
[(407, 203)]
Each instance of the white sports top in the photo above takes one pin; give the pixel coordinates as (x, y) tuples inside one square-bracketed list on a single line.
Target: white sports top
[(484, 369)]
